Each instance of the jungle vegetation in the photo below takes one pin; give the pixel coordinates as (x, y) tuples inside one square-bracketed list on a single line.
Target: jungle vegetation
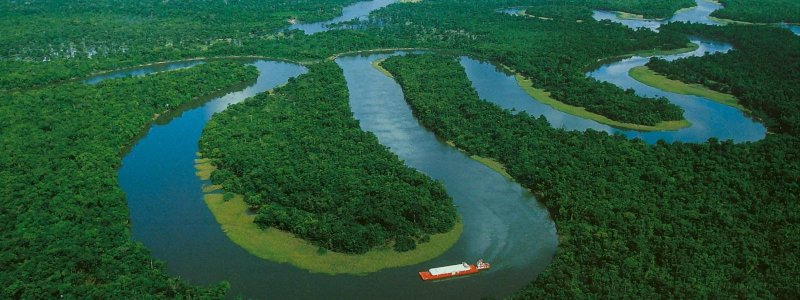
[(302, 161), (634, 220), (667, 220), (760, 11), (525, 44), (763, 71), (64, 221), (648, 9)]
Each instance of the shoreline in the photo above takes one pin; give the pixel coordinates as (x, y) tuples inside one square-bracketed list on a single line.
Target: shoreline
[(236, 219), (649, 77), (544, 97)]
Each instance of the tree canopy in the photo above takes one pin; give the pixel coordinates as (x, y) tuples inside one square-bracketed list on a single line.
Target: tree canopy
[(301, 160), (634, 220), (64, 221)]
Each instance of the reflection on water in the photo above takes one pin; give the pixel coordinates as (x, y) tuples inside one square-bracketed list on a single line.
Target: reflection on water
[(141, 71), (359, 10), (503, 222), (708, 118), (698, 14)]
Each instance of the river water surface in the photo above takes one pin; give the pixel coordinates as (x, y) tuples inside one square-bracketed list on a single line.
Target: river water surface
[(709, 119), (503, 223), (355, 11), (697, 14)]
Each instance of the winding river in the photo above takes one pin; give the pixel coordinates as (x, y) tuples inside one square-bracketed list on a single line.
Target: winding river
[(696, 14), (355, 11), (503, 223), (701, 13), (708, 118)]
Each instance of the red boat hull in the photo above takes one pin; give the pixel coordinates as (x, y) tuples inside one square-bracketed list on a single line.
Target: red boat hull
[(425, 275)]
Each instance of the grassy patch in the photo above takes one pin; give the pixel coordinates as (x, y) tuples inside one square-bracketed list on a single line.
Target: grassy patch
[(729, 21), (236, 219), (493, 164), (544, 97), (656, 52), (629, 16), (377, 65), (204, 168), (489, 162), (651, 78)]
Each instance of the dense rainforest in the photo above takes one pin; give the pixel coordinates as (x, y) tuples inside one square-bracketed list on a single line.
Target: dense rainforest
[(63, 216), (302, 161), (634, 220), (525, 44), (763, 71), (44, 41), (648, 9), (667, 220), (760, 11)]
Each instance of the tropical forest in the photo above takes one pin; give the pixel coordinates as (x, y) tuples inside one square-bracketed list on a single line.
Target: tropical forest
[(400, 149)]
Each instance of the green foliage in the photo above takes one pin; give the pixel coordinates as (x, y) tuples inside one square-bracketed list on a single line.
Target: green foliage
[(673, 221), (760, 11), (763, 71), (634, 220), (648, 8), (302, 160), (63, 217), (527, 45), (59, 40)]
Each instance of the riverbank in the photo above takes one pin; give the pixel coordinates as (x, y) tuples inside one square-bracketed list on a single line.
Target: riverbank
[(649, 77), (237, 221), (544, 97), (377, 65), (636, 17), (489, 162)]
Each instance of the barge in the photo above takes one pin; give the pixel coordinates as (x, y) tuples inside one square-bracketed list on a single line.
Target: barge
[(461, 269)]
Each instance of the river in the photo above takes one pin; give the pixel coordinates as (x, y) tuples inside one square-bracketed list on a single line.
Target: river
[(708, 118), (355, 11), (503, 223), (696, 14), (701, 13)]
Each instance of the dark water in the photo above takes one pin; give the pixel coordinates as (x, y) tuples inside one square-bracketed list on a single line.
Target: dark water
[(708, 118), (503, 223), (141, 71), (697, 14), (359, 10)]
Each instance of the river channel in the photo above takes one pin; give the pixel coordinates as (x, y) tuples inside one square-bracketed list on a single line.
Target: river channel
[(503, 223)]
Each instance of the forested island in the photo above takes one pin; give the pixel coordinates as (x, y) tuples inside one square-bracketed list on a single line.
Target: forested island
[(302, 163), (633, 219), (762, 72)]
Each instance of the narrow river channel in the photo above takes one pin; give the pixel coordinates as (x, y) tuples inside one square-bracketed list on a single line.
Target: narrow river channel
[(355, 11), (709, 119)]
